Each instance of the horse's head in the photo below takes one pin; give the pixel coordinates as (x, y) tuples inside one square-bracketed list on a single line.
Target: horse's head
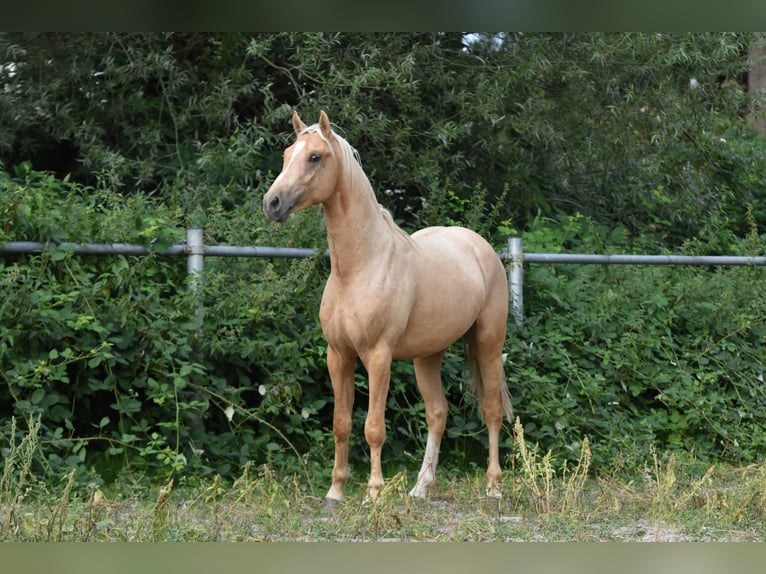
[(309, 171)]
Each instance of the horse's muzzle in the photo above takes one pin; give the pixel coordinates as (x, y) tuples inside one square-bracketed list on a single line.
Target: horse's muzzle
[(275, 208)]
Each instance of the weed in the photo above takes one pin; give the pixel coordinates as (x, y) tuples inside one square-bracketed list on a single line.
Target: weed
[(17, 477), (539, 483), (549, 501), (55, 529), (574, 483), (389, 514), (161, 512), (536, 473)]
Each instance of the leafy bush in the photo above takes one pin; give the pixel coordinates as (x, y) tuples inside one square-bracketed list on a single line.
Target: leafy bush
[(637, 356), (84, 339), (111, 356), (646, 129)]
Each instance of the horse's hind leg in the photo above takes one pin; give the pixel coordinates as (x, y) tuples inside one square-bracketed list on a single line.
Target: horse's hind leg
[(428, 374), (494, 383), (486, 343)]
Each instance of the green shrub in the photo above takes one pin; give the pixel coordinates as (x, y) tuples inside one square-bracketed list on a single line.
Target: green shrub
[(110, 354), (635, 356)]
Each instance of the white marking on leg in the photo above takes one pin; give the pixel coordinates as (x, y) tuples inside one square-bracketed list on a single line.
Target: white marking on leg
[(427, 473)]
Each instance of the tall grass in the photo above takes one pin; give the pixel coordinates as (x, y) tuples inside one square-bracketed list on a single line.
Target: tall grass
[(673, 499), (17, 478)]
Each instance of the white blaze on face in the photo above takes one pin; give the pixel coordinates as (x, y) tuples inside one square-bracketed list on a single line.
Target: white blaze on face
[(296, 152)]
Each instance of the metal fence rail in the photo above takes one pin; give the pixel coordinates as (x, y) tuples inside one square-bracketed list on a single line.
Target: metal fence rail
[(195, 251), (517, 257)]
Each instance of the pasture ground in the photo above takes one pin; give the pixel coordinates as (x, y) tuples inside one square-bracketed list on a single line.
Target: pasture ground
[(666, 502)]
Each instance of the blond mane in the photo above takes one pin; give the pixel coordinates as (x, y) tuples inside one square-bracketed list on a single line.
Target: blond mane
[(352, 173)]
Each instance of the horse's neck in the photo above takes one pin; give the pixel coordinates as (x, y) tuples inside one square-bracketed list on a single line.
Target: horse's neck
[(358, 232)]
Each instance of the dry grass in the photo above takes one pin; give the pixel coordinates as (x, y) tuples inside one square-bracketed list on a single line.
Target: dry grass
[(666, 503)]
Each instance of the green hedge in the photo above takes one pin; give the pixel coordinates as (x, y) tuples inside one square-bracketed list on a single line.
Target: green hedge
[(641, 356), (109, 353)]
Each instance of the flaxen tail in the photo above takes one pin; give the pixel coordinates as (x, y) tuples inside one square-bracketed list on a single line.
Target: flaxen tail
[(477, 382)]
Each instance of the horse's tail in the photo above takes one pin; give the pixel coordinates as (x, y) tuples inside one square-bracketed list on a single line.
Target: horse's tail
[(477, 382)]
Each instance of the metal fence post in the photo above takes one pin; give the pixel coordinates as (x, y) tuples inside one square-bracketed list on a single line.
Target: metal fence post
[(195, 263), (516, 278)]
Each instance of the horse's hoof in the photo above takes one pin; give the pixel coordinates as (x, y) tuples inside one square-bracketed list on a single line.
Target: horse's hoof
[(331, 503), (419, 492), (494, 492)]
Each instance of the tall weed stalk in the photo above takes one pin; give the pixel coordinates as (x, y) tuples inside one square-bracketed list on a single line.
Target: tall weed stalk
[(17, 478), (538, 477)]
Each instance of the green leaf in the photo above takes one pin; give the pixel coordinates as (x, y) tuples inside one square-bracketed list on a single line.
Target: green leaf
[(37, 396)]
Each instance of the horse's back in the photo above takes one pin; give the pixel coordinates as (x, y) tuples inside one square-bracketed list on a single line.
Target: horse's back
[(459, 249), (454, 236)]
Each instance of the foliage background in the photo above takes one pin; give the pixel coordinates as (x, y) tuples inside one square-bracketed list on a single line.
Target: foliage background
[(580, 142)]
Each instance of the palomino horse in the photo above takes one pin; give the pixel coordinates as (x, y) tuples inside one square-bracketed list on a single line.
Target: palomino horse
[(395, 296)]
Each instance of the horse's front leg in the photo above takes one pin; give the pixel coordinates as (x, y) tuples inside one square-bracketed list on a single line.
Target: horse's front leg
[(341, 368), (378, 365)]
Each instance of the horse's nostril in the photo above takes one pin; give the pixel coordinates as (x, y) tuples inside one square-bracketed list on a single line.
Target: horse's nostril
[(271, 205)]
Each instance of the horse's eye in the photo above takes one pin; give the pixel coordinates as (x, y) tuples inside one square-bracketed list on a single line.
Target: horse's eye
[(314, 158)]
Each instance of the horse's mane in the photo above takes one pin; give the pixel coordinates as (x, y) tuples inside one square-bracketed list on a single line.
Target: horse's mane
[(353, 174)]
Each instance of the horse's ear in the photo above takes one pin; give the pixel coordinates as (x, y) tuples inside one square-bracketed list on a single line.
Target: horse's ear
[(324, 124), (298, 124)]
